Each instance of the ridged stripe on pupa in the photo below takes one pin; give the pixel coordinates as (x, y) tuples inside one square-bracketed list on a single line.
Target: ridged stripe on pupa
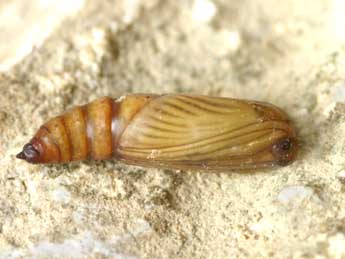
[(239, 145), (74, 121), (58, 133)]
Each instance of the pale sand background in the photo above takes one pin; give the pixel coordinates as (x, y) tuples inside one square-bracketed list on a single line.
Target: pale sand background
[(290, 53)]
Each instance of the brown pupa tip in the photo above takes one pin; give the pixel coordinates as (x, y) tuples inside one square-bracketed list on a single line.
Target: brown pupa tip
[(21, 155), (29, 153)]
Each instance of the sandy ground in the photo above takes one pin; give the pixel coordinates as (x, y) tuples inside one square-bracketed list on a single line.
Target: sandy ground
[(290, 53)]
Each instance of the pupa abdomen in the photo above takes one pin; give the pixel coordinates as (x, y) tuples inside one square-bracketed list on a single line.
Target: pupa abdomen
[(169, 131)]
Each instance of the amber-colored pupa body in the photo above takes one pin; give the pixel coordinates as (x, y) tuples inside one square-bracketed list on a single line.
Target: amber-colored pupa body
[(169, 131)]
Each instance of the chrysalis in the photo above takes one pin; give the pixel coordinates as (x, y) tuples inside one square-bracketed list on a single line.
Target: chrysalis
[(168, 131)]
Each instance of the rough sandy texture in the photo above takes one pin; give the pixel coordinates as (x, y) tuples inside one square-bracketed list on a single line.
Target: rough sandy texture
[(290, 53)]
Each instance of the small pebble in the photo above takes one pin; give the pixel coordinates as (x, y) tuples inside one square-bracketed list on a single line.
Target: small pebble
[(294, 193)]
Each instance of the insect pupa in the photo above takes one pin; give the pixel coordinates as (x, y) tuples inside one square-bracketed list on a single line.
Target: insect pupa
[(168, 131)]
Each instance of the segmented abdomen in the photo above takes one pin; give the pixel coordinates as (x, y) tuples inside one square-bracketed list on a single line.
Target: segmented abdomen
[(92, 131)]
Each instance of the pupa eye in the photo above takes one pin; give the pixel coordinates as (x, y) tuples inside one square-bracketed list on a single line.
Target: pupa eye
[(284, 146), (284, 151)]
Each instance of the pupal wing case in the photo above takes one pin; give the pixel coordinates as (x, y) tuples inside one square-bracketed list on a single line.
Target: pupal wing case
[(201, 132), (169, 131)]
